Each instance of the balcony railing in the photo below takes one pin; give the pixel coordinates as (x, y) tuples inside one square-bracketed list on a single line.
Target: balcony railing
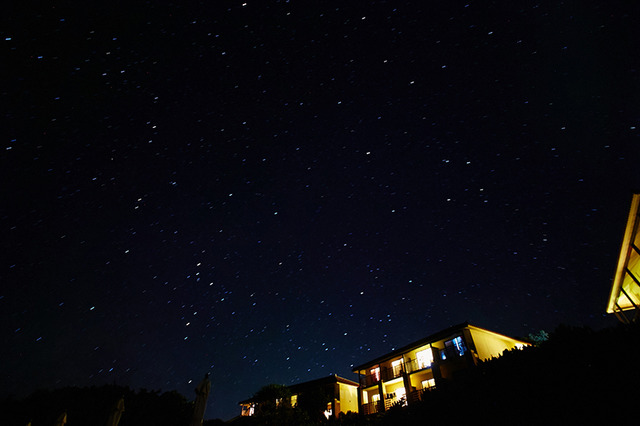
[(390, 373), (373, 407), (390, 402), (366, 381), (413, 365), (386, 374), (387, 403)]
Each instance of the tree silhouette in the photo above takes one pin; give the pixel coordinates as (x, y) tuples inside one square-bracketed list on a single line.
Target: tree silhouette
[(92, 406)]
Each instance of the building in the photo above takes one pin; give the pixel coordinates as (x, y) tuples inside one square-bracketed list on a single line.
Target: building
[(401, 376), (340, 395), (625, 290)]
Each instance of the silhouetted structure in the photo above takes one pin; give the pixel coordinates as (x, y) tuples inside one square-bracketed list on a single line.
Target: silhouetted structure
[(97, 406), (200, 404)]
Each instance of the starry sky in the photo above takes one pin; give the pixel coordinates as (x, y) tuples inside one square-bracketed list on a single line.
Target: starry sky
[(274, 191)]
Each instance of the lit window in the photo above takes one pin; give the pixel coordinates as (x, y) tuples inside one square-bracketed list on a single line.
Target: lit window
[(397, 367), (248, 410), (424, 359), (428, 384), (453, 347), (459, 344), (375, 373)]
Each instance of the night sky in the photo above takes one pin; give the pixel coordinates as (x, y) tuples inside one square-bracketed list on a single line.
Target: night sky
[(274, 191)]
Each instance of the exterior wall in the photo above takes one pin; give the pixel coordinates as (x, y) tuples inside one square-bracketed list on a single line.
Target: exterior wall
[(490, 345), (416, 379), (348, 398)]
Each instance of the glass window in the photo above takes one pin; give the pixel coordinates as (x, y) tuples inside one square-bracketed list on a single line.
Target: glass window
[(459, 344), (428, 384), (453, 347), (397, 367), (424, 359), (375, 373)]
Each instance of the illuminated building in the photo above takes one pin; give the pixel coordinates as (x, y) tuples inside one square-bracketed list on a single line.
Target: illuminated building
[(341, 395), (403, 375), (625, 291)]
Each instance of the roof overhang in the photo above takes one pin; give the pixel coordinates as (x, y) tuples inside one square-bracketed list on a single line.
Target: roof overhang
[(301, 387), (625, 290), (430, 339), (441, 335)]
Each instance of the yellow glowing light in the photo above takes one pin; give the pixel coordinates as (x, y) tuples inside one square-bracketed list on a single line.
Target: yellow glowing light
[(625, 291)]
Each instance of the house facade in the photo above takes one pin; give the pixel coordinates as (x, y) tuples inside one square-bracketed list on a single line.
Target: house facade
[(402, 376), (341, 396)]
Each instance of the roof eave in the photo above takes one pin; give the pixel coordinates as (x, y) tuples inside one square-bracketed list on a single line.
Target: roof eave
[(429, 339), (624, 254)]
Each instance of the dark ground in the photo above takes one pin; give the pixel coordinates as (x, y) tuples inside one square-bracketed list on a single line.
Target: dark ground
[(577, 376)]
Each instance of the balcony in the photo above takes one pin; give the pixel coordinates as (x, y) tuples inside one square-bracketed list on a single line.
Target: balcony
[(369, 380), (390, 402), (373, 407), (386, 374), (391, 373), (414, 365)]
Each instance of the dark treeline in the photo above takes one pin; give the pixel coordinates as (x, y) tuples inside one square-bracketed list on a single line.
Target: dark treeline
[(576, 376), (92, 406)]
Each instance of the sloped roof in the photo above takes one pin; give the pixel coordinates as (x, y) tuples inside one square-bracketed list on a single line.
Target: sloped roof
[(429, 339), (321, 381), (440, 335), (299, 387)]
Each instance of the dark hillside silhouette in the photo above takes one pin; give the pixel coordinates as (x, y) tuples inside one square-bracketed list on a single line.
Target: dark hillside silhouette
[(577, 376), (92, 406)]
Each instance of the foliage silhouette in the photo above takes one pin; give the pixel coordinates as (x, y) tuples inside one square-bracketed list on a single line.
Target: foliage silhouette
[(576, 376), (92, 406)]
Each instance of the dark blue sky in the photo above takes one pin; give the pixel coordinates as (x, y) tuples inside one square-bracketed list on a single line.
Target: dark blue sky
[(274, 191)]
